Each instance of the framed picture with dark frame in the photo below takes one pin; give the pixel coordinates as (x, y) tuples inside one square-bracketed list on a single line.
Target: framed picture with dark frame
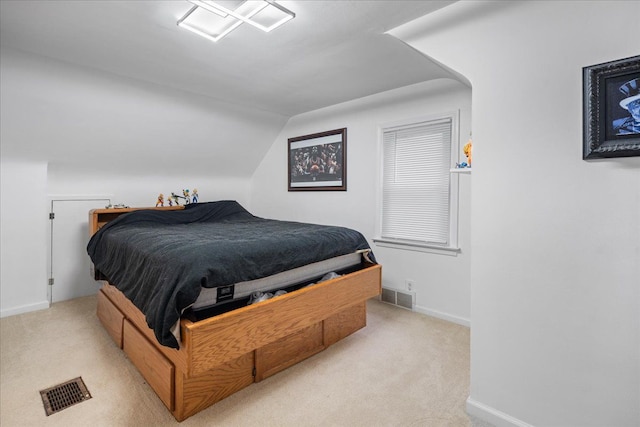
[(611, 107), (318, 162)]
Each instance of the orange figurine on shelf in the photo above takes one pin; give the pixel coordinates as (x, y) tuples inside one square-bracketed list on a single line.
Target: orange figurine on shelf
[(468, 147), (160, 201)]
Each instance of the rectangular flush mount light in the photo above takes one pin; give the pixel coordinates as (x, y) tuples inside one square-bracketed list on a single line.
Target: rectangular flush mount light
[(215, 19)]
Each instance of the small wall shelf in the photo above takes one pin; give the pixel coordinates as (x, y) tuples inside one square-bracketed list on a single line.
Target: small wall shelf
[(460, 170)]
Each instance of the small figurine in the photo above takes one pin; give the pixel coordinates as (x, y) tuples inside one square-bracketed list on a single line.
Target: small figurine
[(186, 197), (468, 148), (174, 196), (462, 165), (170, 201), (194, 196), (160, 201)]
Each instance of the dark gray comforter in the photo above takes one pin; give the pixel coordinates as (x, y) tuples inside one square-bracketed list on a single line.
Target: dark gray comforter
[(160, 259)]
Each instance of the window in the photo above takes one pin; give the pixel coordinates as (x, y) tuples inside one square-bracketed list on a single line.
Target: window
[(419, 194)]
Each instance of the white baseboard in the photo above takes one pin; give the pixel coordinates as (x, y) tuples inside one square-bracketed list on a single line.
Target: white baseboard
[(444, 316), (24, 309), (492, 415)]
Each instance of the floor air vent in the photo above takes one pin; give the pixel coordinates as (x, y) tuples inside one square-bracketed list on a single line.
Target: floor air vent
[(399, 298), (60, 397)]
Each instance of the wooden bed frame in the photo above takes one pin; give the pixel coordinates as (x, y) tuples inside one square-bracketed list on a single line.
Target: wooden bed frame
[(223, 354)]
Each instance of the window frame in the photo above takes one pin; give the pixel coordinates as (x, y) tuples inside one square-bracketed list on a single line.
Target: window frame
[(451, 248)]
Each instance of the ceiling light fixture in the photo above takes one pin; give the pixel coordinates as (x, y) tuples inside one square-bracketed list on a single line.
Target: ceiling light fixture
[(226, 16)]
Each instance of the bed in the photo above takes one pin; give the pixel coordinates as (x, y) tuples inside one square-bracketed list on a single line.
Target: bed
[(195, 353)]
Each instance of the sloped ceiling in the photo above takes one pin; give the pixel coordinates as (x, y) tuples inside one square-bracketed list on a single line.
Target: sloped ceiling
[(333, 51)]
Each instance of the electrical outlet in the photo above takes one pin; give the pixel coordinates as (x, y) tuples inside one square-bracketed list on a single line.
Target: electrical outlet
[(410, 284)]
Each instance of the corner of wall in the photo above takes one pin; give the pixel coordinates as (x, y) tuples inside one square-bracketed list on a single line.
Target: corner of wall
[(492, 415)]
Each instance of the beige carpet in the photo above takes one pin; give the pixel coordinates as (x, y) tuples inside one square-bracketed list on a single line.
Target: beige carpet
[(403, 369)]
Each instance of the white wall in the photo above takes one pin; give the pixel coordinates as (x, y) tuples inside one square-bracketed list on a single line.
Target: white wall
[(442, 282), (91, 121), (134, 190), (23, 237), (555, 300), (70, 131)]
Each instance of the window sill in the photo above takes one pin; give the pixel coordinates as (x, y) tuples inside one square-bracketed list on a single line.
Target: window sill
[(460, 170), (416, 246)]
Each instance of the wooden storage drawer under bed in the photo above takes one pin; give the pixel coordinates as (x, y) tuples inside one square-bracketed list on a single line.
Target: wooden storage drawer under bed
[(221, 355), (111, 318), (153, 366)]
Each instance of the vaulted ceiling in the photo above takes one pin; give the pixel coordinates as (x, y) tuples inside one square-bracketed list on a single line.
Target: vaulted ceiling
[(116, 84), (333, 51)]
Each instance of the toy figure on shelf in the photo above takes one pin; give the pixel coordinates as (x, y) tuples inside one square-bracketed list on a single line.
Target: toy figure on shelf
[(160, 201), (175, 197), (187, 198), (194, 196), (468, 148)]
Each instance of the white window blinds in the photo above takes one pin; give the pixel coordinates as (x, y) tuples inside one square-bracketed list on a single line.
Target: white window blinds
[(416, 181)]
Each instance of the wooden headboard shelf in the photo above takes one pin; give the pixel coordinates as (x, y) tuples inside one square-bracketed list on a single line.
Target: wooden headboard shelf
[(99, 217)]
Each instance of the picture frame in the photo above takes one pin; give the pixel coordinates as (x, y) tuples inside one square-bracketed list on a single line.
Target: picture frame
[(611, 109), (318, 162)]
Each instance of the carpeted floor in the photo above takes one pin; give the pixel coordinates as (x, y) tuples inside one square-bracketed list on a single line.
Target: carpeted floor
[(403, 369)]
